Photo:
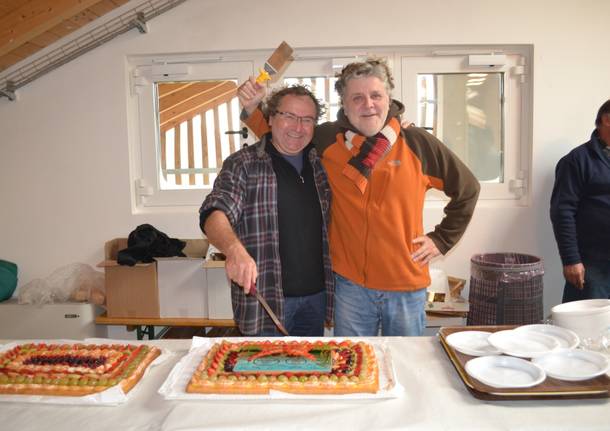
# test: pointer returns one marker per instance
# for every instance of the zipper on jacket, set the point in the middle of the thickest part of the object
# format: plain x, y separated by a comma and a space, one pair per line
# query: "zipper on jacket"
366, 229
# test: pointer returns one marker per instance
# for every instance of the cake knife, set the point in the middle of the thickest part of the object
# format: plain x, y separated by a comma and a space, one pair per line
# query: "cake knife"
268, 309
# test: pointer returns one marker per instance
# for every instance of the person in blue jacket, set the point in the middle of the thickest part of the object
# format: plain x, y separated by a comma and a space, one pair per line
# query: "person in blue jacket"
580, 213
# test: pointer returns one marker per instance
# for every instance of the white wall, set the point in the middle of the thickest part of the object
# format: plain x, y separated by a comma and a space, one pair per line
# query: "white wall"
64, 179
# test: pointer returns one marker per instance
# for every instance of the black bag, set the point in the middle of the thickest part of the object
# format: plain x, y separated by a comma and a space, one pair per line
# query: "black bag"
145, 243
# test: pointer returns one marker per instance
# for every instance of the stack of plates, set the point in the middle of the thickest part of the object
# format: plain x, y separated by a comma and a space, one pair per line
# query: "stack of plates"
567, 339
551, 349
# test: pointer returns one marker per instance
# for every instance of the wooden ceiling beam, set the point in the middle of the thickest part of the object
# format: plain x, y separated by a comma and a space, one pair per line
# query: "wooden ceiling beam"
34, 18
166, 88
183, 95
102, 7
26, 50
173, 118
8, 60
7, 6
227, 87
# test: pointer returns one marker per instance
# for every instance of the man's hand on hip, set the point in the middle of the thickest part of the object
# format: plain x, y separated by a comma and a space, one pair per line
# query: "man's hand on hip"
426, 251
575, 275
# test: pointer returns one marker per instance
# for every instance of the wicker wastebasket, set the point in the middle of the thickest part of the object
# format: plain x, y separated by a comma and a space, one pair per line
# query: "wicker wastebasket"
505, 289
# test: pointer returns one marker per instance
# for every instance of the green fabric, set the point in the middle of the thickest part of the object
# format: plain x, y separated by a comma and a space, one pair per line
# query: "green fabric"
8, 279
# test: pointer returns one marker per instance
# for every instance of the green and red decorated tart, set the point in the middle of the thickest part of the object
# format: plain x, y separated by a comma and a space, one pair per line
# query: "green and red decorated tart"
72, 369
300, 367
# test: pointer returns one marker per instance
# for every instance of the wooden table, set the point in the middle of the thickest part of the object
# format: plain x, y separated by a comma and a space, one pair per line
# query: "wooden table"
146, 325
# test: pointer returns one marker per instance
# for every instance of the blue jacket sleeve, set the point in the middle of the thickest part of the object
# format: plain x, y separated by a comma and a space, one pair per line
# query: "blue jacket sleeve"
565, 199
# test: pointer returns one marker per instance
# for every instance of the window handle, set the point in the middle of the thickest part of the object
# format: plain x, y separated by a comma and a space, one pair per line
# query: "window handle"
243, 132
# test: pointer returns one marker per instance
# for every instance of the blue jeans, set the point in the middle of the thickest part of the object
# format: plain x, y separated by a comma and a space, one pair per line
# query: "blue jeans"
597, 282
361, 312
303, 316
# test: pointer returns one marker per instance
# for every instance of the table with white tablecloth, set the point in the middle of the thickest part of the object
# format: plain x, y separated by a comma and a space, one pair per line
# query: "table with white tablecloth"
434, 398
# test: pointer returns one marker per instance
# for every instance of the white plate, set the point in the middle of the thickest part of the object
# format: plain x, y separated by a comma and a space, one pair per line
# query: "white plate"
505, 372
472, 343
523, 344
573, 365
567, 339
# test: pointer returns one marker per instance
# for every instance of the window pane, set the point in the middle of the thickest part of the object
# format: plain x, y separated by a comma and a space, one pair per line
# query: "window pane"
324, 90
464, 110
193, 118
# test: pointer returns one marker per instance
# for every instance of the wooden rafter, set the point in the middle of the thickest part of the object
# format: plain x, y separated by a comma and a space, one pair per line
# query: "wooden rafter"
35, 17
29, 26
180, 104
190, 93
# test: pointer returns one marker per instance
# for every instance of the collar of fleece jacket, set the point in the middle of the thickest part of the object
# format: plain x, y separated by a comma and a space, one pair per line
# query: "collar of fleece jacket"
396, 110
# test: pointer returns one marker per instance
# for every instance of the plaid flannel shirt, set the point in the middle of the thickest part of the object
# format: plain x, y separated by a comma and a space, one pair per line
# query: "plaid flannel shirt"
246, 191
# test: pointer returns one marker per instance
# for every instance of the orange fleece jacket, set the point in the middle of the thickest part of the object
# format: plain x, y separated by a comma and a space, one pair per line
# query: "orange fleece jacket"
371, 234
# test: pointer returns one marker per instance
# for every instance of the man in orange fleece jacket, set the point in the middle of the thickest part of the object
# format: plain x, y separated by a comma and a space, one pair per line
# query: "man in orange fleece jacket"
379, 174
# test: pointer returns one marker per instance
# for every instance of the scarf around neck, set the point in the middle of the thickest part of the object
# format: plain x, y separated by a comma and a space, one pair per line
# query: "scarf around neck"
368, 151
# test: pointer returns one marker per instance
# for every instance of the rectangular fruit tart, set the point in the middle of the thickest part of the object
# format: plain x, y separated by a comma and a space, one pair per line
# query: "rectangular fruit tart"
299, 367
72, 369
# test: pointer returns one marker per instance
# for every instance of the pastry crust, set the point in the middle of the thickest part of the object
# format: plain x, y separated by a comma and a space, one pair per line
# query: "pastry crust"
72, 369
353, 370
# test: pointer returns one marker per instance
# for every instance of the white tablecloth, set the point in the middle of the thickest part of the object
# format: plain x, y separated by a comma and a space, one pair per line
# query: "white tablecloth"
434, 399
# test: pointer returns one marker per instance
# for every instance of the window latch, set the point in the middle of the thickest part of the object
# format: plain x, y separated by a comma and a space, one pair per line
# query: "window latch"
517, 186
243, 132
143, 189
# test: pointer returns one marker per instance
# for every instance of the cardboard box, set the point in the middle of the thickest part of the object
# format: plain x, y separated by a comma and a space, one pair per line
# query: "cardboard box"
182, 287
64, 320
219, 291
457, 308
450, 302
144, 290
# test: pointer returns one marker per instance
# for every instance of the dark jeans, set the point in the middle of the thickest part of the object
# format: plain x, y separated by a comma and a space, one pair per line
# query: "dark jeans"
303, 316
597, 282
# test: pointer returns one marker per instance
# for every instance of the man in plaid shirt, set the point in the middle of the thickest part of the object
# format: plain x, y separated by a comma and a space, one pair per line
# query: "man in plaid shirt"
268, 212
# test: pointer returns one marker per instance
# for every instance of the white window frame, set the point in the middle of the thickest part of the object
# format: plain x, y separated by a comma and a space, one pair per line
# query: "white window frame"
405, 61
145, 172
513, 171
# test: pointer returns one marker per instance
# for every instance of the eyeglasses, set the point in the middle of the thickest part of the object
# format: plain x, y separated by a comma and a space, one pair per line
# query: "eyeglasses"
293, 119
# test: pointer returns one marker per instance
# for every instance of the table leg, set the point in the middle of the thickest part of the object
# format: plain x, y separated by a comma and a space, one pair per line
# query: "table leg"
142, 330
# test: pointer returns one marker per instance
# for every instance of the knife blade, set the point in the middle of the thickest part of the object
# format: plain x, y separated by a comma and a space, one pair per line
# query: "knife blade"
268, 309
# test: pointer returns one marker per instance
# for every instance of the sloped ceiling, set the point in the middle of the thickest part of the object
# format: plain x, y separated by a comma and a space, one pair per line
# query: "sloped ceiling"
27, 26
36, 36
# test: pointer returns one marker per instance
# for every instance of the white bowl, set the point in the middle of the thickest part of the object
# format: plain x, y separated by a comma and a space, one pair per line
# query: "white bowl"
588, 318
